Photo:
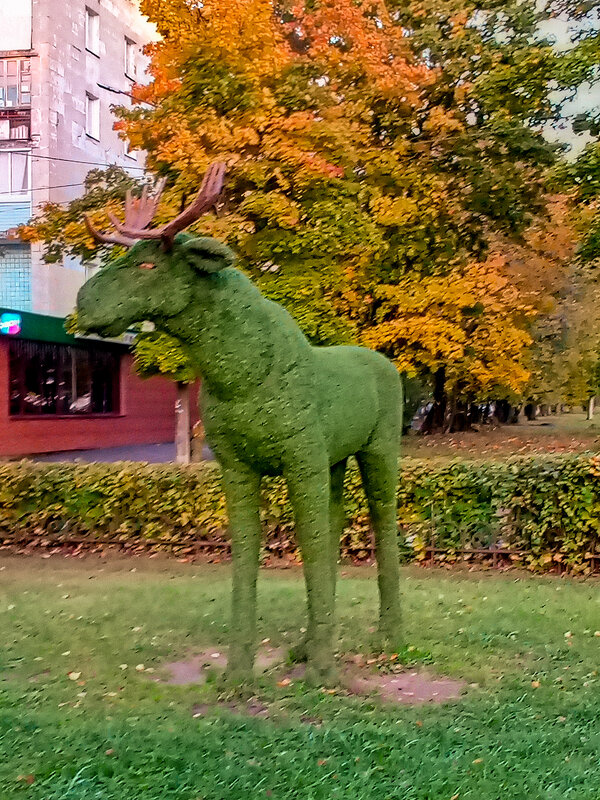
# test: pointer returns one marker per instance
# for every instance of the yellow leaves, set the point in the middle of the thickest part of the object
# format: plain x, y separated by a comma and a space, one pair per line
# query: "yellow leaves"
442, 122
459, 20
29, 233
275, 207
392, 211
470, 321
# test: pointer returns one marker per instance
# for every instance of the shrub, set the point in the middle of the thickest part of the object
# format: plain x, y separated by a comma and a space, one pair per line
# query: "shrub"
540, 511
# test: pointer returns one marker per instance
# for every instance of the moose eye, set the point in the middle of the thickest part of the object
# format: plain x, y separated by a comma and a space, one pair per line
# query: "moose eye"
147, 265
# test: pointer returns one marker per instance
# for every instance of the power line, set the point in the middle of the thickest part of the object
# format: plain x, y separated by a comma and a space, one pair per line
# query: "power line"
46, 188
77, 161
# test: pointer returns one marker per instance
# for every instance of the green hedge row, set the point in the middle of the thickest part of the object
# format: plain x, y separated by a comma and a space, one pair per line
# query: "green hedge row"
539, 511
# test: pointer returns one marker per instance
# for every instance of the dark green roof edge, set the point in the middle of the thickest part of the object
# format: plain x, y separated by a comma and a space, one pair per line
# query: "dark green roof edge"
44, 328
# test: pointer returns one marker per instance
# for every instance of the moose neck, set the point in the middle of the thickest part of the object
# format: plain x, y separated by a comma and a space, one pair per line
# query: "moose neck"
226, 331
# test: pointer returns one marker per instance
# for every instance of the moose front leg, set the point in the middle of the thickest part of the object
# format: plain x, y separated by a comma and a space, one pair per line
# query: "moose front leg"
242, 487
308, 485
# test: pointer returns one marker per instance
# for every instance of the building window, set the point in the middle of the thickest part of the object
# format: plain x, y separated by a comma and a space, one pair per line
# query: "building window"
14, 174
15, 82
129, 151
53, 379
92, 31
15, 276
92, 116
130, 58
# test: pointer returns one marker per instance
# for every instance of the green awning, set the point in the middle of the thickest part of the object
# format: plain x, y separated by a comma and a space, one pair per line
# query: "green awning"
43, 328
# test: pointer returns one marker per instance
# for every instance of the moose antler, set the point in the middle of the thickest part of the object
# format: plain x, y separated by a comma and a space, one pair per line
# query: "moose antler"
140, 211
107, 238
206, 197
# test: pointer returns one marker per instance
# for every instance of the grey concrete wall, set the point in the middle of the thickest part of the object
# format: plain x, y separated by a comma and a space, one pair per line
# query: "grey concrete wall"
63, 72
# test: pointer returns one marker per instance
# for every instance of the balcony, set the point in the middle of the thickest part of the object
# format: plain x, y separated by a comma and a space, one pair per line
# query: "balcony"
15, 99
15, 124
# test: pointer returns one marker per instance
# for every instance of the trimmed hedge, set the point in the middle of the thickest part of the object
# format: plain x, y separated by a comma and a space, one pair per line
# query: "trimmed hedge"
538, 511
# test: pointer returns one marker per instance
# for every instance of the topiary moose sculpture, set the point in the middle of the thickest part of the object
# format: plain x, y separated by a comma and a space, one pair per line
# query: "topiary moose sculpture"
272, 404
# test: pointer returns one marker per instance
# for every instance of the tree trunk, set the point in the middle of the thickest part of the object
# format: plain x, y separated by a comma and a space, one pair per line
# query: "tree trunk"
590, 408
449, 422
182, 424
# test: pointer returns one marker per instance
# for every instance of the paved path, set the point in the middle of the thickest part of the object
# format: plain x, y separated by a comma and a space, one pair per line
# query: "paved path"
151, 453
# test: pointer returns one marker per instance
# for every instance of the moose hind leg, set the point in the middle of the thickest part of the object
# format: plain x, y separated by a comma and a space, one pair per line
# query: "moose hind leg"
242, 494
379, 472
336, 514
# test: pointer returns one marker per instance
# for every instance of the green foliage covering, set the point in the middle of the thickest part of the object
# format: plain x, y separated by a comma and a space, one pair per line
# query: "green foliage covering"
546, 505
271, 405
157, 353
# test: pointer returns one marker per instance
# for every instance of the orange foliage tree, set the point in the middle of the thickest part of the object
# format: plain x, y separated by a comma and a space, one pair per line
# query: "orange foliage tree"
374, 152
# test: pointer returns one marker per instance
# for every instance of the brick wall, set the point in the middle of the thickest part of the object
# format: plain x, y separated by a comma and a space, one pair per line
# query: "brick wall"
147, 417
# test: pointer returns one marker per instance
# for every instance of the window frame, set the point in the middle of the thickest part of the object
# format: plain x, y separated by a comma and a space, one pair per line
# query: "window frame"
60, 360
12, 196
130, 58
92, 31
22, 82
92, 116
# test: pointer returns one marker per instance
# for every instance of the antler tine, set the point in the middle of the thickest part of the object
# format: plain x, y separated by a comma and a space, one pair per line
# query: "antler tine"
140, 211
206, 197
107, 238
152, 202
210, 190
132, 205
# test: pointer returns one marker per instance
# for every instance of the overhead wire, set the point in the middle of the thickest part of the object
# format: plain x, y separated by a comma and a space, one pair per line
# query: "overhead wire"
78, 161
71, 161
44, 188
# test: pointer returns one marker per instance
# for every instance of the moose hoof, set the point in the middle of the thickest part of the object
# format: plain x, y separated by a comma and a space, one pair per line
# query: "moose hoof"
321, 676
388, 640
236, 678
298, 654
240, 670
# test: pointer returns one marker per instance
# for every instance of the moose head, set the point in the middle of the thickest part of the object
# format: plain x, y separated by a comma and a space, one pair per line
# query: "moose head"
153, 280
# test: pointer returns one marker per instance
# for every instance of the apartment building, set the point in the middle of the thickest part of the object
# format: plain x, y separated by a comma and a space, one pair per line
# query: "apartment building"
63, 65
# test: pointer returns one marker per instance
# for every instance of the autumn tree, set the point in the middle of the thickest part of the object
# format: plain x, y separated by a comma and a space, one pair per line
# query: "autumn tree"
376, 153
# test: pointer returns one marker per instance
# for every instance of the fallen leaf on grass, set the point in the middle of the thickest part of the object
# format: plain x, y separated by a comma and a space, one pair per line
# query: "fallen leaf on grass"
74, 676
535, 684
29, 779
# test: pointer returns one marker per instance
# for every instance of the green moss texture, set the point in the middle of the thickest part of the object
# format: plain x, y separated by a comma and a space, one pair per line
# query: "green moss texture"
272, 404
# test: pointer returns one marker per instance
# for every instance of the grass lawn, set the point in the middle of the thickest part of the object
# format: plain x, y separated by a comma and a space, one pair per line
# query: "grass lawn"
527, 727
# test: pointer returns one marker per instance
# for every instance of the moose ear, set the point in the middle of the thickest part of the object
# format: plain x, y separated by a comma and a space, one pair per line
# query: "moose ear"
208, 255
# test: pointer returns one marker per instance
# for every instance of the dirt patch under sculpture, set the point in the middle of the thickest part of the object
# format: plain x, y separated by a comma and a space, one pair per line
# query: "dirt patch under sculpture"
408, 686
